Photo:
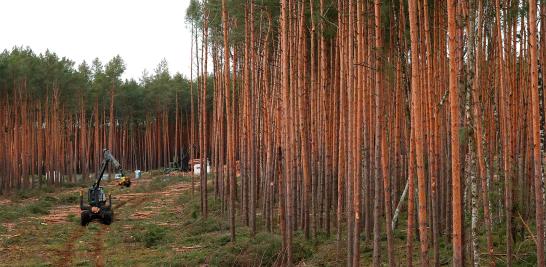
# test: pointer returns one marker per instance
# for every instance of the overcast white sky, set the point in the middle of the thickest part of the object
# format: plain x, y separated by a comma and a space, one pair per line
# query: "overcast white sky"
142, 32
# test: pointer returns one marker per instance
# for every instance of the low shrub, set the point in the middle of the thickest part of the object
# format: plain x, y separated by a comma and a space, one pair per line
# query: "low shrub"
151, 236
69, 199
42, 205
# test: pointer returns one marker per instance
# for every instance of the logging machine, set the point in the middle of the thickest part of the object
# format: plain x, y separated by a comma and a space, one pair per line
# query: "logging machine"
98, 208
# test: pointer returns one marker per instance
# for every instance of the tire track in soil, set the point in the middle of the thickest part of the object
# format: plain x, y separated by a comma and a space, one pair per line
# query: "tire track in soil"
98, 241
134, 200
122, 203
98, 245
139, 201
67, 253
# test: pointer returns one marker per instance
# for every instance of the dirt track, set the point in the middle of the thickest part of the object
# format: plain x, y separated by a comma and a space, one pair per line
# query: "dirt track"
87, 245
97, 244
59, 215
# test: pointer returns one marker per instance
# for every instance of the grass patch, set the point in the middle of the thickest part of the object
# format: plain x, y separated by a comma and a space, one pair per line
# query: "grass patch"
10, 213
93, 227
160, 183
36, 201
30, 193
72, 218
68, 199
151, 235
38, 192
175, 234
301, 248
38, 208
202, 226
42, 206
266, 247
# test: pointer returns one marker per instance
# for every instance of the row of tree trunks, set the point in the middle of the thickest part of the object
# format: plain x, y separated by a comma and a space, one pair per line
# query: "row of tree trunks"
332, 119
44, 144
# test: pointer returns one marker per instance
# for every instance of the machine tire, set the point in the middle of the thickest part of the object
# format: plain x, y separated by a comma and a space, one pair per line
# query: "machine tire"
108, 217
85, 218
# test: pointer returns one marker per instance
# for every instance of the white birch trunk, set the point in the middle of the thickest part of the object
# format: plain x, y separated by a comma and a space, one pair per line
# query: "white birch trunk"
397, 211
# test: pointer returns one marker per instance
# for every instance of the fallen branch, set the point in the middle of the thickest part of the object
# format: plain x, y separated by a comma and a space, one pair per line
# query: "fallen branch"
527, 227
192, 247
183, 249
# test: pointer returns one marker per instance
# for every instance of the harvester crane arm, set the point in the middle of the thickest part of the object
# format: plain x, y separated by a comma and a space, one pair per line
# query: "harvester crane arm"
108, 158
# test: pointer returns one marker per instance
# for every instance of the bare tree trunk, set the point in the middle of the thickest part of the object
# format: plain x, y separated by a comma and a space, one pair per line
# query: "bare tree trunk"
230, 130
537, 156
457, 203
286, 119
204, 132
416, 121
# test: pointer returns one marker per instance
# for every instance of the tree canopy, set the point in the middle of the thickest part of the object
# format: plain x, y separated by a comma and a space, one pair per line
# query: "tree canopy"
43, 72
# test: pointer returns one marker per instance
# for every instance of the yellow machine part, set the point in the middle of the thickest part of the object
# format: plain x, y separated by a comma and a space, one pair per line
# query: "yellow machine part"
124, 181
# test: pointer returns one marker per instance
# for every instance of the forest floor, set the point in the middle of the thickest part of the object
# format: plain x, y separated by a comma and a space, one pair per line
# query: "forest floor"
157, 223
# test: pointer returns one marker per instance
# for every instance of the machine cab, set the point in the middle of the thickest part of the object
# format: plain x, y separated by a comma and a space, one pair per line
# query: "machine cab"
96, 197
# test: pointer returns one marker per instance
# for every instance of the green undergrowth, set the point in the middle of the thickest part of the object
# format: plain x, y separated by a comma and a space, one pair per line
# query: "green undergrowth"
151, 235
264, 248
162, 182
23, 194
38, 201
173, 232
38, 204
211, 244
